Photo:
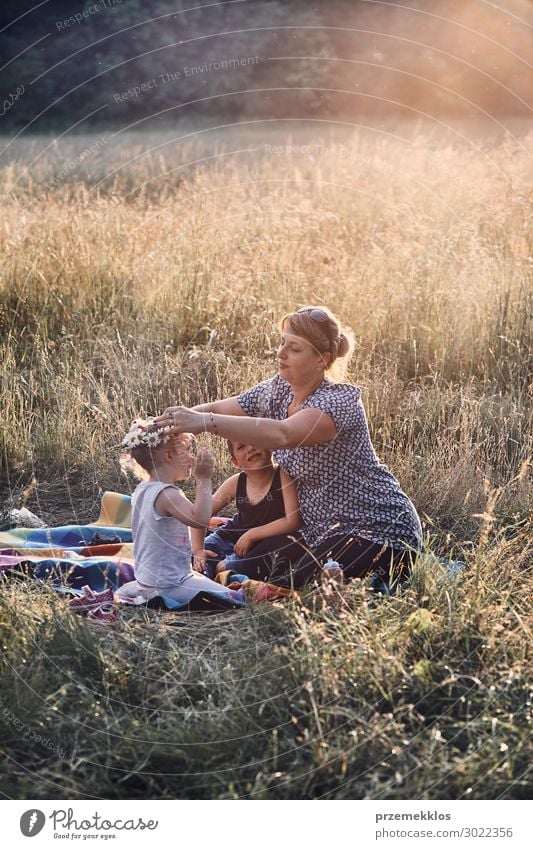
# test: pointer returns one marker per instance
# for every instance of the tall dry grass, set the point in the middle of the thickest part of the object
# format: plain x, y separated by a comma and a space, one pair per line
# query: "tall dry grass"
131, 279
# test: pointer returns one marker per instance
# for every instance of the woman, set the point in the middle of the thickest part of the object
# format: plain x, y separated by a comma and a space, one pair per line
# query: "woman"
352, 507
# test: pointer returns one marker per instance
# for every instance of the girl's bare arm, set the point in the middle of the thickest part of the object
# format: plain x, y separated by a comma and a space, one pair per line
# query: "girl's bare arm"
224, 494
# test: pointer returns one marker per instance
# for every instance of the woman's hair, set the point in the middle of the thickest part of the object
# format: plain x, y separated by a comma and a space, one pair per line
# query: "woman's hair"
327, 336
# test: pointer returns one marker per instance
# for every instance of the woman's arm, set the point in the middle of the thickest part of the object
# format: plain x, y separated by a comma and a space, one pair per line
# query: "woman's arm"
226, 406
308, 427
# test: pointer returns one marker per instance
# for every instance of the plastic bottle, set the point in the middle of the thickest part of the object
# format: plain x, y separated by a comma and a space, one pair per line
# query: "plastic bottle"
332, 575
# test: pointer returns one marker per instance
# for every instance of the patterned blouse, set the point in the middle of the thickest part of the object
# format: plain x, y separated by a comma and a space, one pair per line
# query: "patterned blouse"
342, 485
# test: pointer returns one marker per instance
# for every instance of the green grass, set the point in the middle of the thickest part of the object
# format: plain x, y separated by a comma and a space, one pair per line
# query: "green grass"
420, 696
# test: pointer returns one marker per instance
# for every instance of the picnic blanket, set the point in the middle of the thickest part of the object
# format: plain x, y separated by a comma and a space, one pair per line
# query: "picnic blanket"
99, 555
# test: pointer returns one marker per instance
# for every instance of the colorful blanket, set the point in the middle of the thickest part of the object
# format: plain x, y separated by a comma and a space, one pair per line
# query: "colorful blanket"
99, 555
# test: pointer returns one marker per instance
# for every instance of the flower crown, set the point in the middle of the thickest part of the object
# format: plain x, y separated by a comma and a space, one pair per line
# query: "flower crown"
144, 435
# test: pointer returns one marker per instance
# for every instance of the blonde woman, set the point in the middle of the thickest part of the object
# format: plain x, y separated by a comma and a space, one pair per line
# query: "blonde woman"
353, 509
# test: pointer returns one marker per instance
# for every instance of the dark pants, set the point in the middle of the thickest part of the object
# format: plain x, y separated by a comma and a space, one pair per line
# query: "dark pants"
286, 560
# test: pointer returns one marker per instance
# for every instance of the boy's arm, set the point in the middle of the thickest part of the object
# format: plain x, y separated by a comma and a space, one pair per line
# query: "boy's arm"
224, 494
292, 520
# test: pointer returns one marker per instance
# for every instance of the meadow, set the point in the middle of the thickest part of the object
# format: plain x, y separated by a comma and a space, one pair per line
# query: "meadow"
138, 271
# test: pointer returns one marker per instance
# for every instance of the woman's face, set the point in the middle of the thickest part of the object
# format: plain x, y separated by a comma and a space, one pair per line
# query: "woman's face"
298, 361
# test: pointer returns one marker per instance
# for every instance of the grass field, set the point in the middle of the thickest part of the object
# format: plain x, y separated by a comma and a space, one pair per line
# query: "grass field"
131, 279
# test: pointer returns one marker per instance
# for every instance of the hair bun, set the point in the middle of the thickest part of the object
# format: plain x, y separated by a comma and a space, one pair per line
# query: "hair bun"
343, 345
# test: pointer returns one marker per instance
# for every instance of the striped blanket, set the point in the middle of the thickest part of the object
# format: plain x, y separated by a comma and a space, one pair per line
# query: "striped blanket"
99, 555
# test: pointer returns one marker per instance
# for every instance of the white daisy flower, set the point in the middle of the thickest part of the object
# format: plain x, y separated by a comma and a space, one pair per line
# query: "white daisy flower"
152, 439
134, 439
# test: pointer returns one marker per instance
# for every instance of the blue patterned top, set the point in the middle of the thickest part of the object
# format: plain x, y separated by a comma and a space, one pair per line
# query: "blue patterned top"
342, 485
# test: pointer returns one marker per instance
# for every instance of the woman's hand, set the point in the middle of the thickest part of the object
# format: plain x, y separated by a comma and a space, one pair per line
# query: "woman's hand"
181, 420
245, 543
205, 463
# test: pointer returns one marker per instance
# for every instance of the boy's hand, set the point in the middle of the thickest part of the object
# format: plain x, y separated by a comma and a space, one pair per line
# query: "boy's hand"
200, 558
205, 463
245, 543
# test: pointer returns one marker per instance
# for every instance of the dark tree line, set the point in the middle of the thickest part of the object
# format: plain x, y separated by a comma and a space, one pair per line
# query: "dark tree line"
132, 62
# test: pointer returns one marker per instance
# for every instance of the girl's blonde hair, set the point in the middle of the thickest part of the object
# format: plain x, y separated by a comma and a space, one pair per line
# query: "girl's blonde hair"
327, 336
143, 459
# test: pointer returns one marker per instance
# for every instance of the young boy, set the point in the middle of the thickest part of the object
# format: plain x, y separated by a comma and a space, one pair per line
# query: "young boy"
267, 504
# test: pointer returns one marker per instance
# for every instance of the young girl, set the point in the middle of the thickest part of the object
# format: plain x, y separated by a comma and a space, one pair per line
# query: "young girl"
162, 516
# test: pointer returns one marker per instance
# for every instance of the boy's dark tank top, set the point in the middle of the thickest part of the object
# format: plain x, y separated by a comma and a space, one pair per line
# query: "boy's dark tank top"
270, 508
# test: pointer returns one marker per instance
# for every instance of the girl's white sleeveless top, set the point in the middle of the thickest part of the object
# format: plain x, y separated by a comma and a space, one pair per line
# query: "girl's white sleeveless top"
161, 544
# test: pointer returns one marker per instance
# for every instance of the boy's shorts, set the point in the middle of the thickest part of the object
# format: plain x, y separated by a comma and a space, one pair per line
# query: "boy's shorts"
223, 549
